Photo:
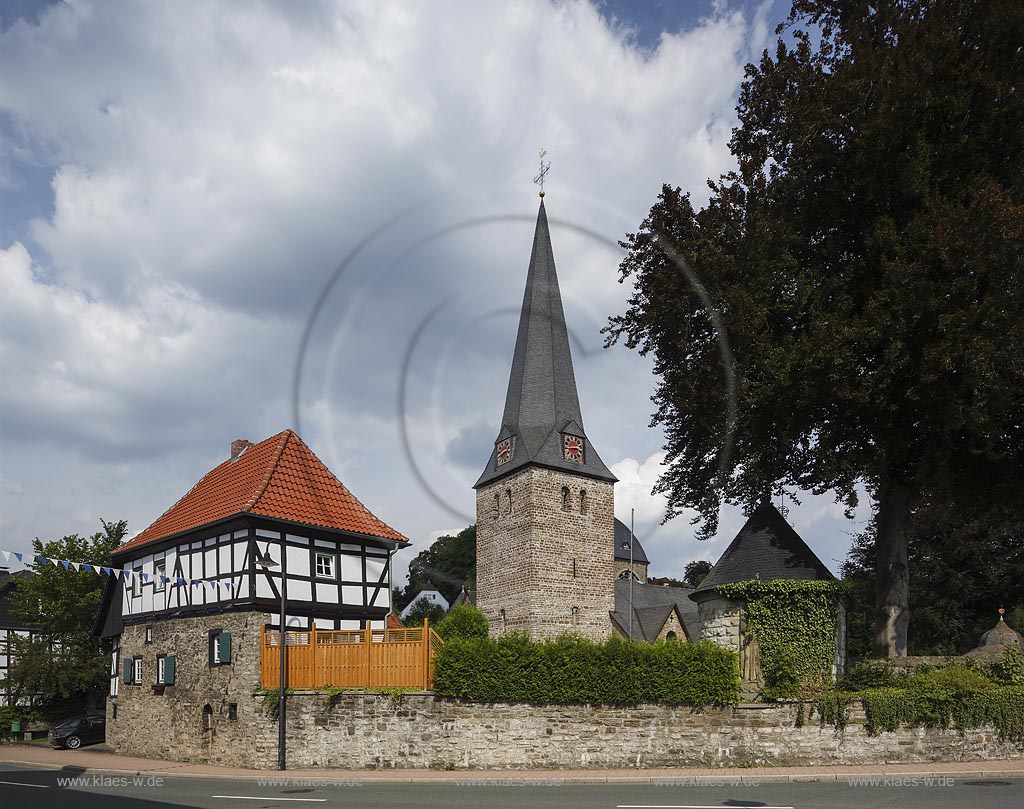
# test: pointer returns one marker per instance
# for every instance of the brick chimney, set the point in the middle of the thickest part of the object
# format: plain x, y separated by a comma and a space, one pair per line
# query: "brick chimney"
238, 446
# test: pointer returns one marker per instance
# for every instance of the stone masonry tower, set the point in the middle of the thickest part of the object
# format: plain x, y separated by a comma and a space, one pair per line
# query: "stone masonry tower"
544, 503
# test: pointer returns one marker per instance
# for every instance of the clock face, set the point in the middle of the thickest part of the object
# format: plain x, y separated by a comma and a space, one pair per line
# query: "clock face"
504, 451
572, 448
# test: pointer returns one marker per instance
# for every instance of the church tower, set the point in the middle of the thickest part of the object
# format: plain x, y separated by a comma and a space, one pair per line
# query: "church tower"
545, 502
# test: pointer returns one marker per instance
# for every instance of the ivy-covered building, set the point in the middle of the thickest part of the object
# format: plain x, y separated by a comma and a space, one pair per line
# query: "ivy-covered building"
773, 602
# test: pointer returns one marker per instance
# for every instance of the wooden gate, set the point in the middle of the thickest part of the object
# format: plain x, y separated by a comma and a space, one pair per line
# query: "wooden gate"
351, 658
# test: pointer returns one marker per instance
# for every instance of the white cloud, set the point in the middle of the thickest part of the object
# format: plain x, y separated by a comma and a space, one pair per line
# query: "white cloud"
213, 162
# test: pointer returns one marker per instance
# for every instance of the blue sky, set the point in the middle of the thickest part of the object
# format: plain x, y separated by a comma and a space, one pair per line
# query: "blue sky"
183, 186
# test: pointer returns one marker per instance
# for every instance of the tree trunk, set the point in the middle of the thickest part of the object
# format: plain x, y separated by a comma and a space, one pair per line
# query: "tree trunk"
892, 576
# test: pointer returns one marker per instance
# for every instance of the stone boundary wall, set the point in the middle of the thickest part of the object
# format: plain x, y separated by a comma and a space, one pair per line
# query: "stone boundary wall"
420, 731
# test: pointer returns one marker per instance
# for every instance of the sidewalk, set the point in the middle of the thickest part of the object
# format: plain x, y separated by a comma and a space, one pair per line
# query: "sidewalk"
105, 762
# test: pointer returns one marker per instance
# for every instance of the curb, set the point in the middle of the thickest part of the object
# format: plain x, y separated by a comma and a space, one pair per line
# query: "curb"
524, 777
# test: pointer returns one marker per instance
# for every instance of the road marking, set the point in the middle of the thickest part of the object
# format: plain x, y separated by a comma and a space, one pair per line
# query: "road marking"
19, 784
275, 798
698, 806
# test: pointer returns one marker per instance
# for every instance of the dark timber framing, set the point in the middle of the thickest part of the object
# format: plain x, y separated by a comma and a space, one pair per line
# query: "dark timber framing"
264, 534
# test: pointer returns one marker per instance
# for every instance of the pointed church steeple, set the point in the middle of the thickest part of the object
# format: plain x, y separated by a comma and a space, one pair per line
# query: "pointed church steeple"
542, 423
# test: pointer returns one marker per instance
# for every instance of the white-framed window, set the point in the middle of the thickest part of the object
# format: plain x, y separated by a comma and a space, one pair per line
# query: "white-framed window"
326, 566
149, 634
137, 671
160, 669
160, 569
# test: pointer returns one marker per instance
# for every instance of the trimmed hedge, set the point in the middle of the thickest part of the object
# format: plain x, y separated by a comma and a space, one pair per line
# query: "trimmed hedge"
572, 670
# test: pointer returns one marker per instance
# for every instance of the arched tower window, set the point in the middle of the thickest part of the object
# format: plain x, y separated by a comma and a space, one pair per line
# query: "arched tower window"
583, 501
565, 498
497, 506
207, 719
508, 501
670, 635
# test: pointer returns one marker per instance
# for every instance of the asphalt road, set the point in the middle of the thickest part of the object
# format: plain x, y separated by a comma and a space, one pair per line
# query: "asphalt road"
27, 788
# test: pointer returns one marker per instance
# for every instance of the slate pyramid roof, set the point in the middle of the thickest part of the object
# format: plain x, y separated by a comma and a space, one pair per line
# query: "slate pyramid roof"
766, 548
280, 477
542, 403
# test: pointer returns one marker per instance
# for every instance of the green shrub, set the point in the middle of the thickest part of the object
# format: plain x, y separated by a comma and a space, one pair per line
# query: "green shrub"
573, 670
1009, 669
958, 694
463, 621
869, 674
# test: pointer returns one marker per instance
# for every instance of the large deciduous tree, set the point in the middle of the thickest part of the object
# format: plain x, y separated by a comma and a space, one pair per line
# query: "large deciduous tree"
63, 669
853, 313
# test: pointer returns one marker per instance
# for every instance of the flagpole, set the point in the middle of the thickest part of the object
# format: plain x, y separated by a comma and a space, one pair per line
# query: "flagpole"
632, 517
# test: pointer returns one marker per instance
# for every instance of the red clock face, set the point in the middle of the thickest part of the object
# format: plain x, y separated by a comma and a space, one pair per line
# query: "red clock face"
504, 451
572, 448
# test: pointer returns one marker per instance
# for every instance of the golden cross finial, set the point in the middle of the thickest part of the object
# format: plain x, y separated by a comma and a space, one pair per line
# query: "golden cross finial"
544, 168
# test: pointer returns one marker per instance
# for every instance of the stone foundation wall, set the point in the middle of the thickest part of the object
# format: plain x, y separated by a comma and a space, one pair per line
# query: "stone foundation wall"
720, 621
170, 724
357, 731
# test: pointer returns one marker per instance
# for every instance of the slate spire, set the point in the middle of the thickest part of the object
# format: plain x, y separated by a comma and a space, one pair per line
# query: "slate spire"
542, 405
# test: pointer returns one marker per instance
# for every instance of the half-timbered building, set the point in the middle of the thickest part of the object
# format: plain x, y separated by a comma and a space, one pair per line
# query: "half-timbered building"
206, 584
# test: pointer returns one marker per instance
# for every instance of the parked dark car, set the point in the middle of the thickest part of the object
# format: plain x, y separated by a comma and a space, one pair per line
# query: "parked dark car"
73, 733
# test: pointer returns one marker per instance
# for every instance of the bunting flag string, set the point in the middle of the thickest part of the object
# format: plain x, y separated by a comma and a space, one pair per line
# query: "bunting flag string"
128, 576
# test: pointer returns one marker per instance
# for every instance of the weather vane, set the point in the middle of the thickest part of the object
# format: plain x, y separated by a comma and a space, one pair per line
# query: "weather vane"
544, 168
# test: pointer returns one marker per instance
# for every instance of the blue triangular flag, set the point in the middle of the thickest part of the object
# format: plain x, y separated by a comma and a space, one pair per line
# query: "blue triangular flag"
66, 563
86, 567
42, 559
20, 557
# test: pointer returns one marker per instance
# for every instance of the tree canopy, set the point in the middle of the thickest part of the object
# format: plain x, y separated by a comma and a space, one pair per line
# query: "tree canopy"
852, 315
64, 669
449, 563
694, 572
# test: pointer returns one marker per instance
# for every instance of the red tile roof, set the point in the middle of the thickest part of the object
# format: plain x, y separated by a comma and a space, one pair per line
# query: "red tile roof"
279, 477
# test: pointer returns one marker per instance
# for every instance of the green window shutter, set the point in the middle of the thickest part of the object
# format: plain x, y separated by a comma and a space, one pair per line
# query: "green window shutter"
224, 640
126, 670
169, 670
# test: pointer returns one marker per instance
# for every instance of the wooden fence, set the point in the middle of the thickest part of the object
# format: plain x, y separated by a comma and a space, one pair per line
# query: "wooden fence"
351, 658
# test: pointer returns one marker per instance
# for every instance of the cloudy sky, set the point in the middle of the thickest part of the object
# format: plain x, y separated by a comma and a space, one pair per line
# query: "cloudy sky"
218, 220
